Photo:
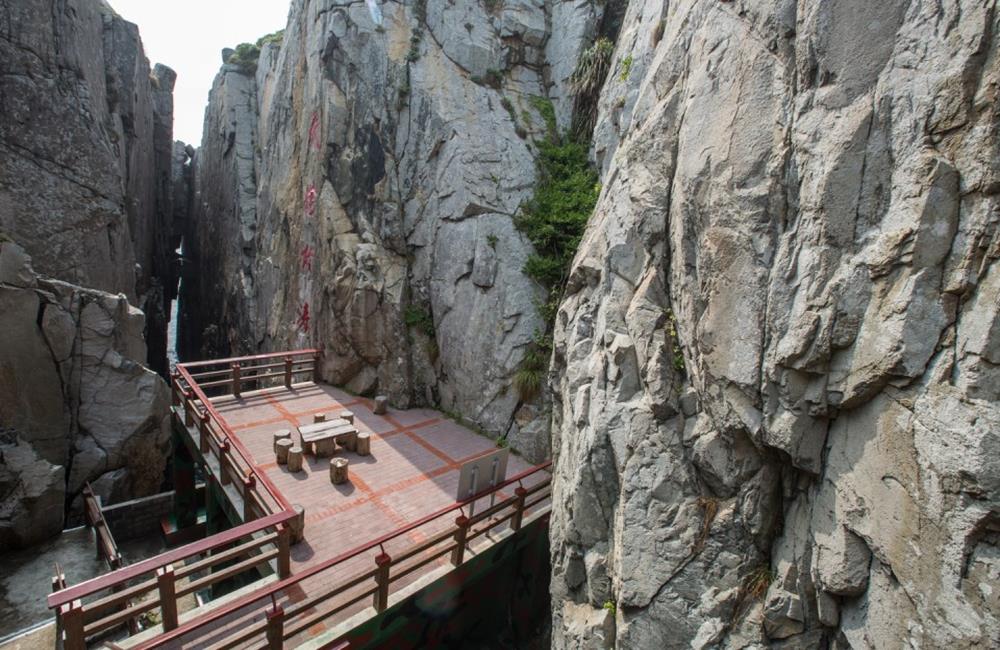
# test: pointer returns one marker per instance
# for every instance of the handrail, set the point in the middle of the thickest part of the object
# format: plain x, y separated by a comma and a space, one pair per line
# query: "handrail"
272, 589
105, 540
121, 576
254, 357
233, 439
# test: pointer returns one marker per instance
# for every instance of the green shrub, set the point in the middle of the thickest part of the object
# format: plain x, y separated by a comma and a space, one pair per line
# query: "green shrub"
676, 353
417, 317
246, 57
248, 54
626, 68
555, 218
509, 107
414, 54
276, 38
493, 78
548, 112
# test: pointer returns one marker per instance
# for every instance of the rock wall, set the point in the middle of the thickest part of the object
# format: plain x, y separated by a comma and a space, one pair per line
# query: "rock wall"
775, 374
85, 152
356, 193
87, 189
76, 403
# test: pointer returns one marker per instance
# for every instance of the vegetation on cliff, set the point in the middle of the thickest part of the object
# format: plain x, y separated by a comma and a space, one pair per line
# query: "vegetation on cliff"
248, 54
555, 218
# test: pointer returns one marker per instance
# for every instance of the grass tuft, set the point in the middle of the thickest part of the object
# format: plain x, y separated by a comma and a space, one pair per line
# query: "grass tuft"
530, 375
757, 581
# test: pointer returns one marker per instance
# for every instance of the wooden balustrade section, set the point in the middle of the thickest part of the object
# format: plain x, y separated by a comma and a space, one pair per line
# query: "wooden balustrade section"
120, 597
107, 549
284, 619
215, 438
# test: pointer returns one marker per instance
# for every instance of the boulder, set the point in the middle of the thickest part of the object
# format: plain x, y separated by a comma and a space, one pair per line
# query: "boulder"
73, 394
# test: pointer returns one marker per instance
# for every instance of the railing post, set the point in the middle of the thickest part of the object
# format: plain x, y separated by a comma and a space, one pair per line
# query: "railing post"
223, 452
383, 562
203, 432
165, 581
249, 484
188, 408
175, 398
275, 627
236, 378
461, 534
72, 621
58, 584
284, 546
515, 521
316, 364
288, 372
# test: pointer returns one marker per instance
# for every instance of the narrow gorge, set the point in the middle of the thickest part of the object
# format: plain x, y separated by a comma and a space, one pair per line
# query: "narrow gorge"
731, 265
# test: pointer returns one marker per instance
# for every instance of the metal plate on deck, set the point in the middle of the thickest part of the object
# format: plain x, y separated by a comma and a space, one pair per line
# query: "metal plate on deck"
480, 474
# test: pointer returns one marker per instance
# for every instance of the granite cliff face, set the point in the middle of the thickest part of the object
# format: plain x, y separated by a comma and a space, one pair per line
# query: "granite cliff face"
356, 192
85, 152
774, 385
775, 374
86, 195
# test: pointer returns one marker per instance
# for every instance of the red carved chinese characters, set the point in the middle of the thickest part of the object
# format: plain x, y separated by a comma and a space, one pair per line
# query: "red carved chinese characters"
303, 322
307, 258
311, 200
314, 140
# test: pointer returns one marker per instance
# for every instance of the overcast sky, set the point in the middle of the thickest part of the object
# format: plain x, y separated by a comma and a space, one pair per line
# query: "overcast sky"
188, 36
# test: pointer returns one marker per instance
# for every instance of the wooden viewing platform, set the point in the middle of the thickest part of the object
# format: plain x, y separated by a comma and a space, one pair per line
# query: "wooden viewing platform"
321, 553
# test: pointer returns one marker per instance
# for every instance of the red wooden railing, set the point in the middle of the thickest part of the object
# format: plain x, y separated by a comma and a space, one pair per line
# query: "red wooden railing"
107, 549
216, 439
275, 619
83, 609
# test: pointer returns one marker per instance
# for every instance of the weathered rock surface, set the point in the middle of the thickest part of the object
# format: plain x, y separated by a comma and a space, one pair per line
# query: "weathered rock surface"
356, 194
76, 403
776, 381
85, 152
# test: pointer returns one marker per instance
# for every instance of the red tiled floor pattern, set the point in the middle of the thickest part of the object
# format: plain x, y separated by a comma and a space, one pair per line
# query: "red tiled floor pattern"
412, 472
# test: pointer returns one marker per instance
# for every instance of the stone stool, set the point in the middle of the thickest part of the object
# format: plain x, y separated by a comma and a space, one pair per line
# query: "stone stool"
338, 471
325, 447
282, 448
319, 417
381, 405
281, 434
295, 459
364, 444
298, 525
347, 415
349, 441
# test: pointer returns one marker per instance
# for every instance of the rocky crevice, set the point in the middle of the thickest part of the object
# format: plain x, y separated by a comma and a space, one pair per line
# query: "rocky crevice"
87, 195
